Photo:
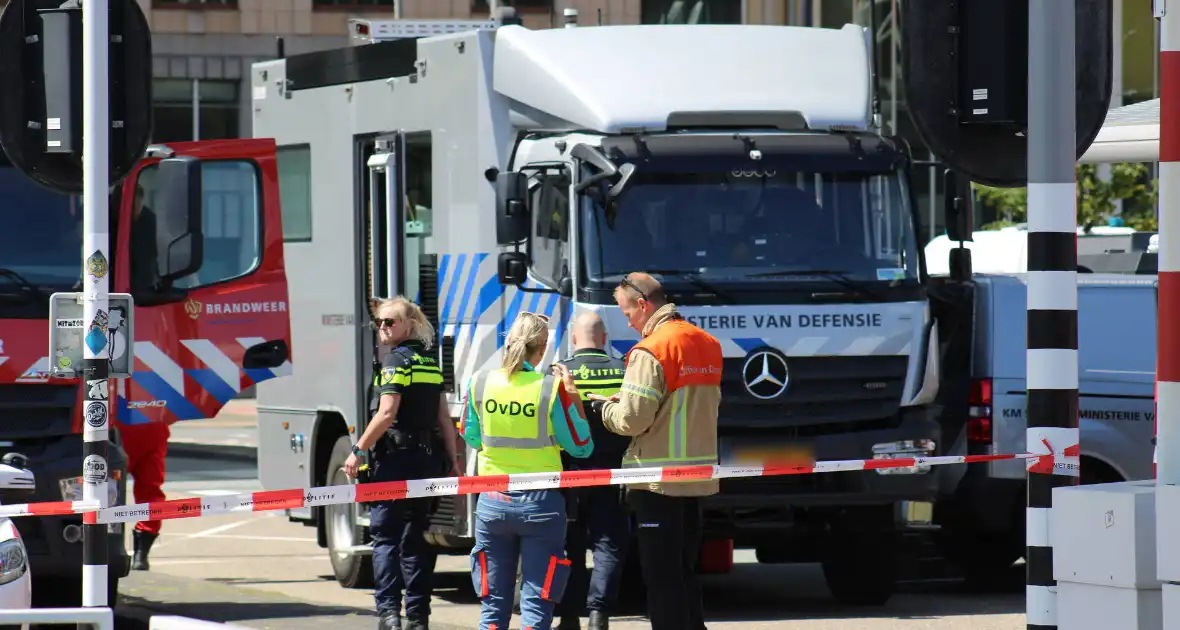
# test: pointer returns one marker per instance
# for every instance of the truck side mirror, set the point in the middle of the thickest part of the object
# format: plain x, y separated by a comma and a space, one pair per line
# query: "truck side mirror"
512, 268
958, 212
512, 208
179, 215
565, 288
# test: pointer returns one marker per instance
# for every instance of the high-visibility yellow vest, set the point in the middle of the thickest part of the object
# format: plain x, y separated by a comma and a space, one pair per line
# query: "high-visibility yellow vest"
514, 426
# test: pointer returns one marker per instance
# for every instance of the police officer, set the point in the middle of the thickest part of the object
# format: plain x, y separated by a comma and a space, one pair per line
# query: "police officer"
408, 406
600, 519
520, 420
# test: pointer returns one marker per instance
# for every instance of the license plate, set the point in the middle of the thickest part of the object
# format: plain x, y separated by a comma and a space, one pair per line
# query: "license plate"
760, 453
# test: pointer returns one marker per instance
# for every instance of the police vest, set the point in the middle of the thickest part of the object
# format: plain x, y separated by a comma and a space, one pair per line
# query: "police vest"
514, 426
596, 372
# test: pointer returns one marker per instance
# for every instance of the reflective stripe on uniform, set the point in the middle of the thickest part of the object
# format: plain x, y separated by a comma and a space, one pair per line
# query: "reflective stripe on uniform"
642, 391
406, 376
603, 386
542, 440
677, 440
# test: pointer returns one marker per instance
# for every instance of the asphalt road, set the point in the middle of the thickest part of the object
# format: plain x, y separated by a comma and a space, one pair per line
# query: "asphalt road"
261, 571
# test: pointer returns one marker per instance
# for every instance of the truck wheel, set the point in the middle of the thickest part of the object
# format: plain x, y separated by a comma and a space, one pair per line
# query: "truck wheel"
861, 569
340, 528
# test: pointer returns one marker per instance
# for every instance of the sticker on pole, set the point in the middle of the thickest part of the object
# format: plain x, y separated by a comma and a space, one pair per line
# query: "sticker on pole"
94, 469
96, 265
96, 336
1058, 448
96, 413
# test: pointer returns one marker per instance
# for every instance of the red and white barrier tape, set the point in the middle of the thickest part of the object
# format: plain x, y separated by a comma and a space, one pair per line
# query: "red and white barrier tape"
451, 486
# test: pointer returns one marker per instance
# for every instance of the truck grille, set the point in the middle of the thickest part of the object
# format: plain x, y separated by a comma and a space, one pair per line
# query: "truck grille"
29, 412
824, 395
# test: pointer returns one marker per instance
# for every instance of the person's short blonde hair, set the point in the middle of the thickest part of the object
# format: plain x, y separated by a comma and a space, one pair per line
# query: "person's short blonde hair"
529, 333
420, 328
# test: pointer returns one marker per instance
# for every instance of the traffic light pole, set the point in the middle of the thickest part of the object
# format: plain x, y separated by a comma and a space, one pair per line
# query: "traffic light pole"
95, 275
1052, 287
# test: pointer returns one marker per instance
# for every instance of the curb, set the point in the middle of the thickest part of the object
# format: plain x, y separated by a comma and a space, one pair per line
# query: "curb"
223, 451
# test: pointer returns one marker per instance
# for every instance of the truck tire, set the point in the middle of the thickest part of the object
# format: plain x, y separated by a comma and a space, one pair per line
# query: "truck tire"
861, 569
340, 528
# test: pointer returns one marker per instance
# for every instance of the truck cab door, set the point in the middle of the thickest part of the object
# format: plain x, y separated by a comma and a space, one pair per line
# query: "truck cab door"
382, 179
206, 333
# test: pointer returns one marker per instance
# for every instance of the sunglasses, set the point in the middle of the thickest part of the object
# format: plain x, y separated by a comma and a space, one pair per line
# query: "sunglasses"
544, 318
631, 285
386, 322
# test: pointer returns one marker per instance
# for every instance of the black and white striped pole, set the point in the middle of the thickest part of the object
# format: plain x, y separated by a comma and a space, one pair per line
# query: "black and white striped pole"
1052, 289
95, 307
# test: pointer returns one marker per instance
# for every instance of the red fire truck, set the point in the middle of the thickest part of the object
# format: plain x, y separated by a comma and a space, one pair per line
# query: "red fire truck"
208, 322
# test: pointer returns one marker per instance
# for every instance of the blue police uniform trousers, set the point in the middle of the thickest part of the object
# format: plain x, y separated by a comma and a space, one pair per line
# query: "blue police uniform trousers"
529, 525
402, 561
603, 525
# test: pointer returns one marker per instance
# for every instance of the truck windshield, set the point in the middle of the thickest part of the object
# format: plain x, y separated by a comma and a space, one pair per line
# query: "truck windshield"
752, 226
42, 235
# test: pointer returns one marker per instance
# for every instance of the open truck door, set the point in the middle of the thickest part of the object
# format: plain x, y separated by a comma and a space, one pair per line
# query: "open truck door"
204, 263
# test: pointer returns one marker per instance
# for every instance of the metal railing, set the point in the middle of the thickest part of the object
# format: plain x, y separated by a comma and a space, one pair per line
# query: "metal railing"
97, 618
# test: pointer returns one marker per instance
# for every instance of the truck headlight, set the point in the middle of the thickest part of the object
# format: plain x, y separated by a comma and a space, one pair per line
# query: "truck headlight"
13, 561
71, 490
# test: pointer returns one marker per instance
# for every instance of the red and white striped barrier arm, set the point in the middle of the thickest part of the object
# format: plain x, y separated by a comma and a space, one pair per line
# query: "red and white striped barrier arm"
451, 486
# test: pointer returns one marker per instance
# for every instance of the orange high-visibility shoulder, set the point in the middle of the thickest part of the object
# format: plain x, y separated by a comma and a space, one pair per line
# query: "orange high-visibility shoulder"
688, 355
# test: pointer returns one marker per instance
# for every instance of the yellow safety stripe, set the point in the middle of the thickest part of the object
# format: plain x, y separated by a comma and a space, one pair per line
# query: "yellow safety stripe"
403, 376
642, 391
707, 460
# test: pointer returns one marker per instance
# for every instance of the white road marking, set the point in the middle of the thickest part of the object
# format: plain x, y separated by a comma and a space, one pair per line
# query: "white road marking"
275, 538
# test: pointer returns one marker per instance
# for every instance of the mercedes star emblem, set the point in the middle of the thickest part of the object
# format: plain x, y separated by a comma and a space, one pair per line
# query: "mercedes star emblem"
765, 374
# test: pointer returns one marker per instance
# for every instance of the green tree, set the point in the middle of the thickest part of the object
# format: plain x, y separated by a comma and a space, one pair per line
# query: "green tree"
1096, 198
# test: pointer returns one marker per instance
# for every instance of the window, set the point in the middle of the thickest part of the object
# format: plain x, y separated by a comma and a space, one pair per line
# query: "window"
481, 6
691, 12
194, 4
42, 235
549, 192
172, 110
232, 227
419, 215
295, 192
350, 3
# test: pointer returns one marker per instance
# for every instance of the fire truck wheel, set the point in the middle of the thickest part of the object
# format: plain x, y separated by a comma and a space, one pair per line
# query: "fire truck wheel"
340, 528
861, 569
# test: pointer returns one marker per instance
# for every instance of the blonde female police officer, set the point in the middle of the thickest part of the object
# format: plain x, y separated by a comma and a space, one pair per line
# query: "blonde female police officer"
520, 420
408, 407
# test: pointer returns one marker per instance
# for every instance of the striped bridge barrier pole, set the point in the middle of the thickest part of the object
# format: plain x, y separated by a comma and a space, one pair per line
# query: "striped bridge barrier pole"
1052, 288
1168, 297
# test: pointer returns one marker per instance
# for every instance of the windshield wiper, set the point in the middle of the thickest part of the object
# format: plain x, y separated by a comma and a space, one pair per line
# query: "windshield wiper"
20, 281
859, 287
693, 278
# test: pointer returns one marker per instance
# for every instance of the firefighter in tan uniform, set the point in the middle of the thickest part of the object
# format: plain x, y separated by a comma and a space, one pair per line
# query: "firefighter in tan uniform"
668, 405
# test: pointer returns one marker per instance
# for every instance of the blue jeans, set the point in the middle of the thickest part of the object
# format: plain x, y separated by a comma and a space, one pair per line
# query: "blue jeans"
402, 561
529, 525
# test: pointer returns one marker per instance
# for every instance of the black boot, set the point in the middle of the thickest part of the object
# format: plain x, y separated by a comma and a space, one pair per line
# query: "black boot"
143, 546
599, 620
392, 621
570, 622
418, 624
